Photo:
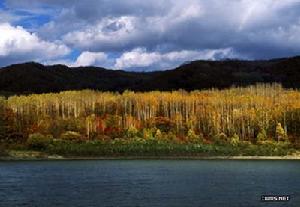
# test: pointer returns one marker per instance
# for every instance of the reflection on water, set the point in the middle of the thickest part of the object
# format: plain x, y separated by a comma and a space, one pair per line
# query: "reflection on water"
147, 183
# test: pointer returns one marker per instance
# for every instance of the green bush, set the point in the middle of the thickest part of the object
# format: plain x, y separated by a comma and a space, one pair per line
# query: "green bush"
193, 137
158, 134
148, 133
39, 141
243, 143
262, 136
280, 133
171, 136
191, 134
234, 140
220, 139
71, 136
159, 147
131, 132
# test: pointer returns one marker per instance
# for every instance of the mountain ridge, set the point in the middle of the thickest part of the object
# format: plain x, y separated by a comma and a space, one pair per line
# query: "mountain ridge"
32, 77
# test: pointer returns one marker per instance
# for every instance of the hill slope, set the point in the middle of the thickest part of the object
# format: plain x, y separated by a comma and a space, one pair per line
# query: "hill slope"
37, 78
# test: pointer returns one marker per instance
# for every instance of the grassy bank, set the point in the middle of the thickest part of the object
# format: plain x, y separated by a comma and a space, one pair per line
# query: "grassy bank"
147, 148
161, 148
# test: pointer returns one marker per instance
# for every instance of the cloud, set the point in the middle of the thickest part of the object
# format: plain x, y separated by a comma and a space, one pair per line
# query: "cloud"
109, 34
121, 31
95, 9
140, 59
7, 17
150, 29
176, 25
92, 58
86, 58
17, 44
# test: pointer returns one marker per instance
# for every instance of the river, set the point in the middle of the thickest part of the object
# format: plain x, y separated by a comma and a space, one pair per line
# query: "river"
150, 183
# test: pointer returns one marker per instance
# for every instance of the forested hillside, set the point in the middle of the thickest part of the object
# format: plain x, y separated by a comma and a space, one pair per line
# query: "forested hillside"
37, 78
256, 120
244, 112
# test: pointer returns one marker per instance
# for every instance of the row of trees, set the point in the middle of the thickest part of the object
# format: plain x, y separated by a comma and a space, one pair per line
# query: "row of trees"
252, 113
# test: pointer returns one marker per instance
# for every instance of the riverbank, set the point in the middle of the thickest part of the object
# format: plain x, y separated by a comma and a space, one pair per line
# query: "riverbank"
151, 149
36, 155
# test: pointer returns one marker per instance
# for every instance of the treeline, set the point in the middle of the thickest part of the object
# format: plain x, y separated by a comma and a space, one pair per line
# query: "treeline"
253, 114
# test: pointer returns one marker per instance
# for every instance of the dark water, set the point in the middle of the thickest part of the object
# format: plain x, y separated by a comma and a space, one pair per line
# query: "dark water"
147, 183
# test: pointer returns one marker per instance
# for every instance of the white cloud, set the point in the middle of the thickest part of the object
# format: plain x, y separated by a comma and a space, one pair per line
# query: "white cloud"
140, 58
121, 33
18, 44
106, 34
91, 58
137, 58
86, 58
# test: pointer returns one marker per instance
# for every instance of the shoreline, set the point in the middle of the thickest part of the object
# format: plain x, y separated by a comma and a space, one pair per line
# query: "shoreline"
49, 158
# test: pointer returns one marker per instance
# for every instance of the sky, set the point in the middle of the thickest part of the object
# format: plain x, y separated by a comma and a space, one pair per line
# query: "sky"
146, 35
